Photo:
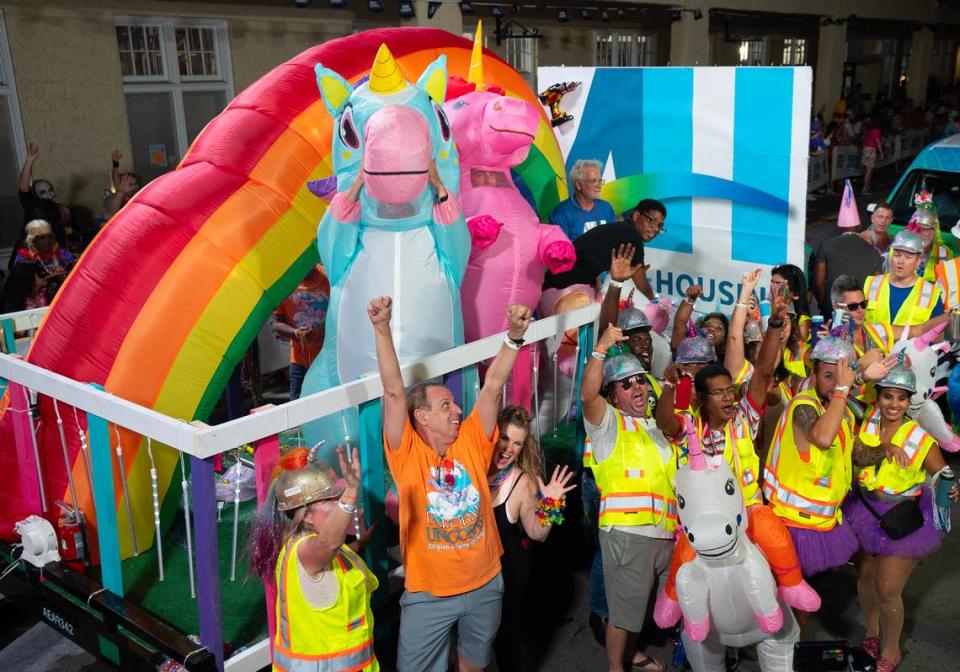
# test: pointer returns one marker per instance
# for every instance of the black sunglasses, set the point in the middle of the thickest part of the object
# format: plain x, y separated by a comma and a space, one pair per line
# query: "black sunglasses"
628, 383
853, 306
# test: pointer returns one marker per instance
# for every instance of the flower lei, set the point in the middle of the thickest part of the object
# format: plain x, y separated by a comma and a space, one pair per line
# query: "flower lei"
550, 510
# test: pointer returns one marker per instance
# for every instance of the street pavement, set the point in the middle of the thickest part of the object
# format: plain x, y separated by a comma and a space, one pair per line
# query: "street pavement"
557, 633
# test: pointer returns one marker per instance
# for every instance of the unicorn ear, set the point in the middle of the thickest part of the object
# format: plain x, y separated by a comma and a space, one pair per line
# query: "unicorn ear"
434, 80
334, 89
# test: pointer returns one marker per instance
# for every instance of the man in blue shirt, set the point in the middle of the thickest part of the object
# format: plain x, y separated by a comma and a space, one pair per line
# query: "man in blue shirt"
584, 209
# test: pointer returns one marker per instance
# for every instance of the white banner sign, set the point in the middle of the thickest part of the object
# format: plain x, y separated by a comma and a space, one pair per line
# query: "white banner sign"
725, 149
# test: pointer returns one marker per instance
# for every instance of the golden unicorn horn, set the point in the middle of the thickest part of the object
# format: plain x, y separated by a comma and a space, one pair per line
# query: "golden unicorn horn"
475, 73
385, 76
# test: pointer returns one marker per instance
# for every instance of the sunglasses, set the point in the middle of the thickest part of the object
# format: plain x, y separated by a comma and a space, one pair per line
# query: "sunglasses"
853, 306
628, 383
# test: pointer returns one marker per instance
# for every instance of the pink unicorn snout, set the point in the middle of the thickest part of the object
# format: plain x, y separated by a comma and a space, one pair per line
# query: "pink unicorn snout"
512, 126
396, 155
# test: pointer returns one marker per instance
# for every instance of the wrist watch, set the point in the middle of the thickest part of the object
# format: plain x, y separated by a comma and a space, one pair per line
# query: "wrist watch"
516, 341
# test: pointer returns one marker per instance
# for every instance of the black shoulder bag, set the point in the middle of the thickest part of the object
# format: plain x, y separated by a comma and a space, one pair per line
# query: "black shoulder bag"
902, 520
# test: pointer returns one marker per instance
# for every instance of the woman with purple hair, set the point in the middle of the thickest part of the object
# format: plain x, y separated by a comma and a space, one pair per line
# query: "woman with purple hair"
323, 587
892, 458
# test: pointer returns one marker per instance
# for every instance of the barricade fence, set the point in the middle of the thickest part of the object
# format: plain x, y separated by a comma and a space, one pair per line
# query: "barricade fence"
843, 161
107, 415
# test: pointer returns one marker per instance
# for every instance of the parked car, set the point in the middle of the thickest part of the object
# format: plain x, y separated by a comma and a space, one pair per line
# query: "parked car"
937, 168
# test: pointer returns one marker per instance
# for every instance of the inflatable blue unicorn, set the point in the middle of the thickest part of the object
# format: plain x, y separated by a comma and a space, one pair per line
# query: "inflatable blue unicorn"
389, 231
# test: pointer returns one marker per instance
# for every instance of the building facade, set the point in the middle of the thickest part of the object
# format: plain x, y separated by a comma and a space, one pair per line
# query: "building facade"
81, 79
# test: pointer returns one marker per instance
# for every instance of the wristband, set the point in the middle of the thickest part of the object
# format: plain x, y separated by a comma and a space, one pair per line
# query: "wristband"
615, 283
667, 383
692, 302
443, 199
510, 343
775, 325
599, 356
116, 164
347, 508
741, 304
550, 510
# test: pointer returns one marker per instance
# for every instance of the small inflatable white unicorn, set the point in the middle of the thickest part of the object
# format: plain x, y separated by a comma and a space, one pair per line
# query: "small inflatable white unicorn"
727, 594
923, 355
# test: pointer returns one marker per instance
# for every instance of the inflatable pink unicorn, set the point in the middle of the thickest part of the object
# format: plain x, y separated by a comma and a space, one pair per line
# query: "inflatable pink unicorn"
511, 247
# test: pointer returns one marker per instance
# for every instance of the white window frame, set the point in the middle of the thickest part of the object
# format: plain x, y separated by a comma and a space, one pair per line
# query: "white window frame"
640, 55
8, 87
752, 57
171, 81
520, 52
794, 51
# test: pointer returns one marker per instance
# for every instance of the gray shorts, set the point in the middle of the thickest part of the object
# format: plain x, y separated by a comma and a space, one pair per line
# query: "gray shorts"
632, 565
426, 622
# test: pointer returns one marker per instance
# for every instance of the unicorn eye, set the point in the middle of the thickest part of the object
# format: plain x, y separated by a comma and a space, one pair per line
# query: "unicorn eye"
728, 487
681, 501
348, 132
444, 124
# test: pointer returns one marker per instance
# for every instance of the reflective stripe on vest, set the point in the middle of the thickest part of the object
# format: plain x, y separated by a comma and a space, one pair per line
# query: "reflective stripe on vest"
881, 334
948, 276
873, 287
356, 659
637, 502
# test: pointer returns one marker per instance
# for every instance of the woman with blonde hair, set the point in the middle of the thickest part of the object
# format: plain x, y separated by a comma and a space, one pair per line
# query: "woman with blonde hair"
525, 508
324, 619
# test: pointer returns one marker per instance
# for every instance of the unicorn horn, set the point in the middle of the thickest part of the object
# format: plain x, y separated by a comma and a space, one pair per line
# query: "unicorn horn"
933, 334
385, 76
697, 461
475, 73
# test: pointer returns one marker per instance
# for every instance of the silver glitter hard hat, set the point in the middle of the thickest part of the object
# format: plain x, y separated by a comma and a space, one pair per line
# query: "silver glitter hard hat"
632, 319
830, 349
695, 350
620, 365
314, 481
901, 377
908, 241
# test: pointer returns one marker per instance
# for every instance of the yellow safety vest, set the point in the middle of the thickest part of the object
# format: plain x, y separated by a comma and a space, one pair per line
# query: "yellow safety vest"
796, 365
948, 280
808, 494
740, 454
588, 461
881, 335
915, 310
890, 478
636, 485
338, 638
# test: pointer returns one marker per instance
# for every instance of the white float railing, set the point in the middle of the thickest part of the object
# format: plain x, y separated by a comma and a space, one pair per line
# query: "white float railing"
201, 442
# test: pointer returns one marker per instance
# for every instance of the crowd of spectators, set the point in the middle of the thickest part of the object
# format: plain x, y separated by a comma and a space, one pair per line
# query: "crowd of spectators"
54, 234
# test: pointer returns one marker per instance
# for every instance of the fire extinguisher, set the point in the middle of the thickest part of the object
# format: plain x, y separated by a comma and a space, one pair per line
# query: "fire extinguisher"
70, 530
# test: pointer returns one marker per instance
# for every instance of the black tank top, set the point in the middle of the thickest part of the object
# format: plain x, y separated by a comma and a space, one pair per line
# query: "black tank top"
515, 561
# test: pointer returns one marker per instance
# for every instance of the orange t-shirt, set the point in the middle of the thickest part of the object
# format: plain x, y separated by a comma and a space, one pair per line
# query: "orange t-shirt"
448, 535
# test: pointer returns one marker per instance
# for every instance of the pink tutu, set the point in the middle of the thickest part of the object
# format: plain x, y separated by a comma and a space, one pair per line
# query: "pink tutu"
875, 541
820, 551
